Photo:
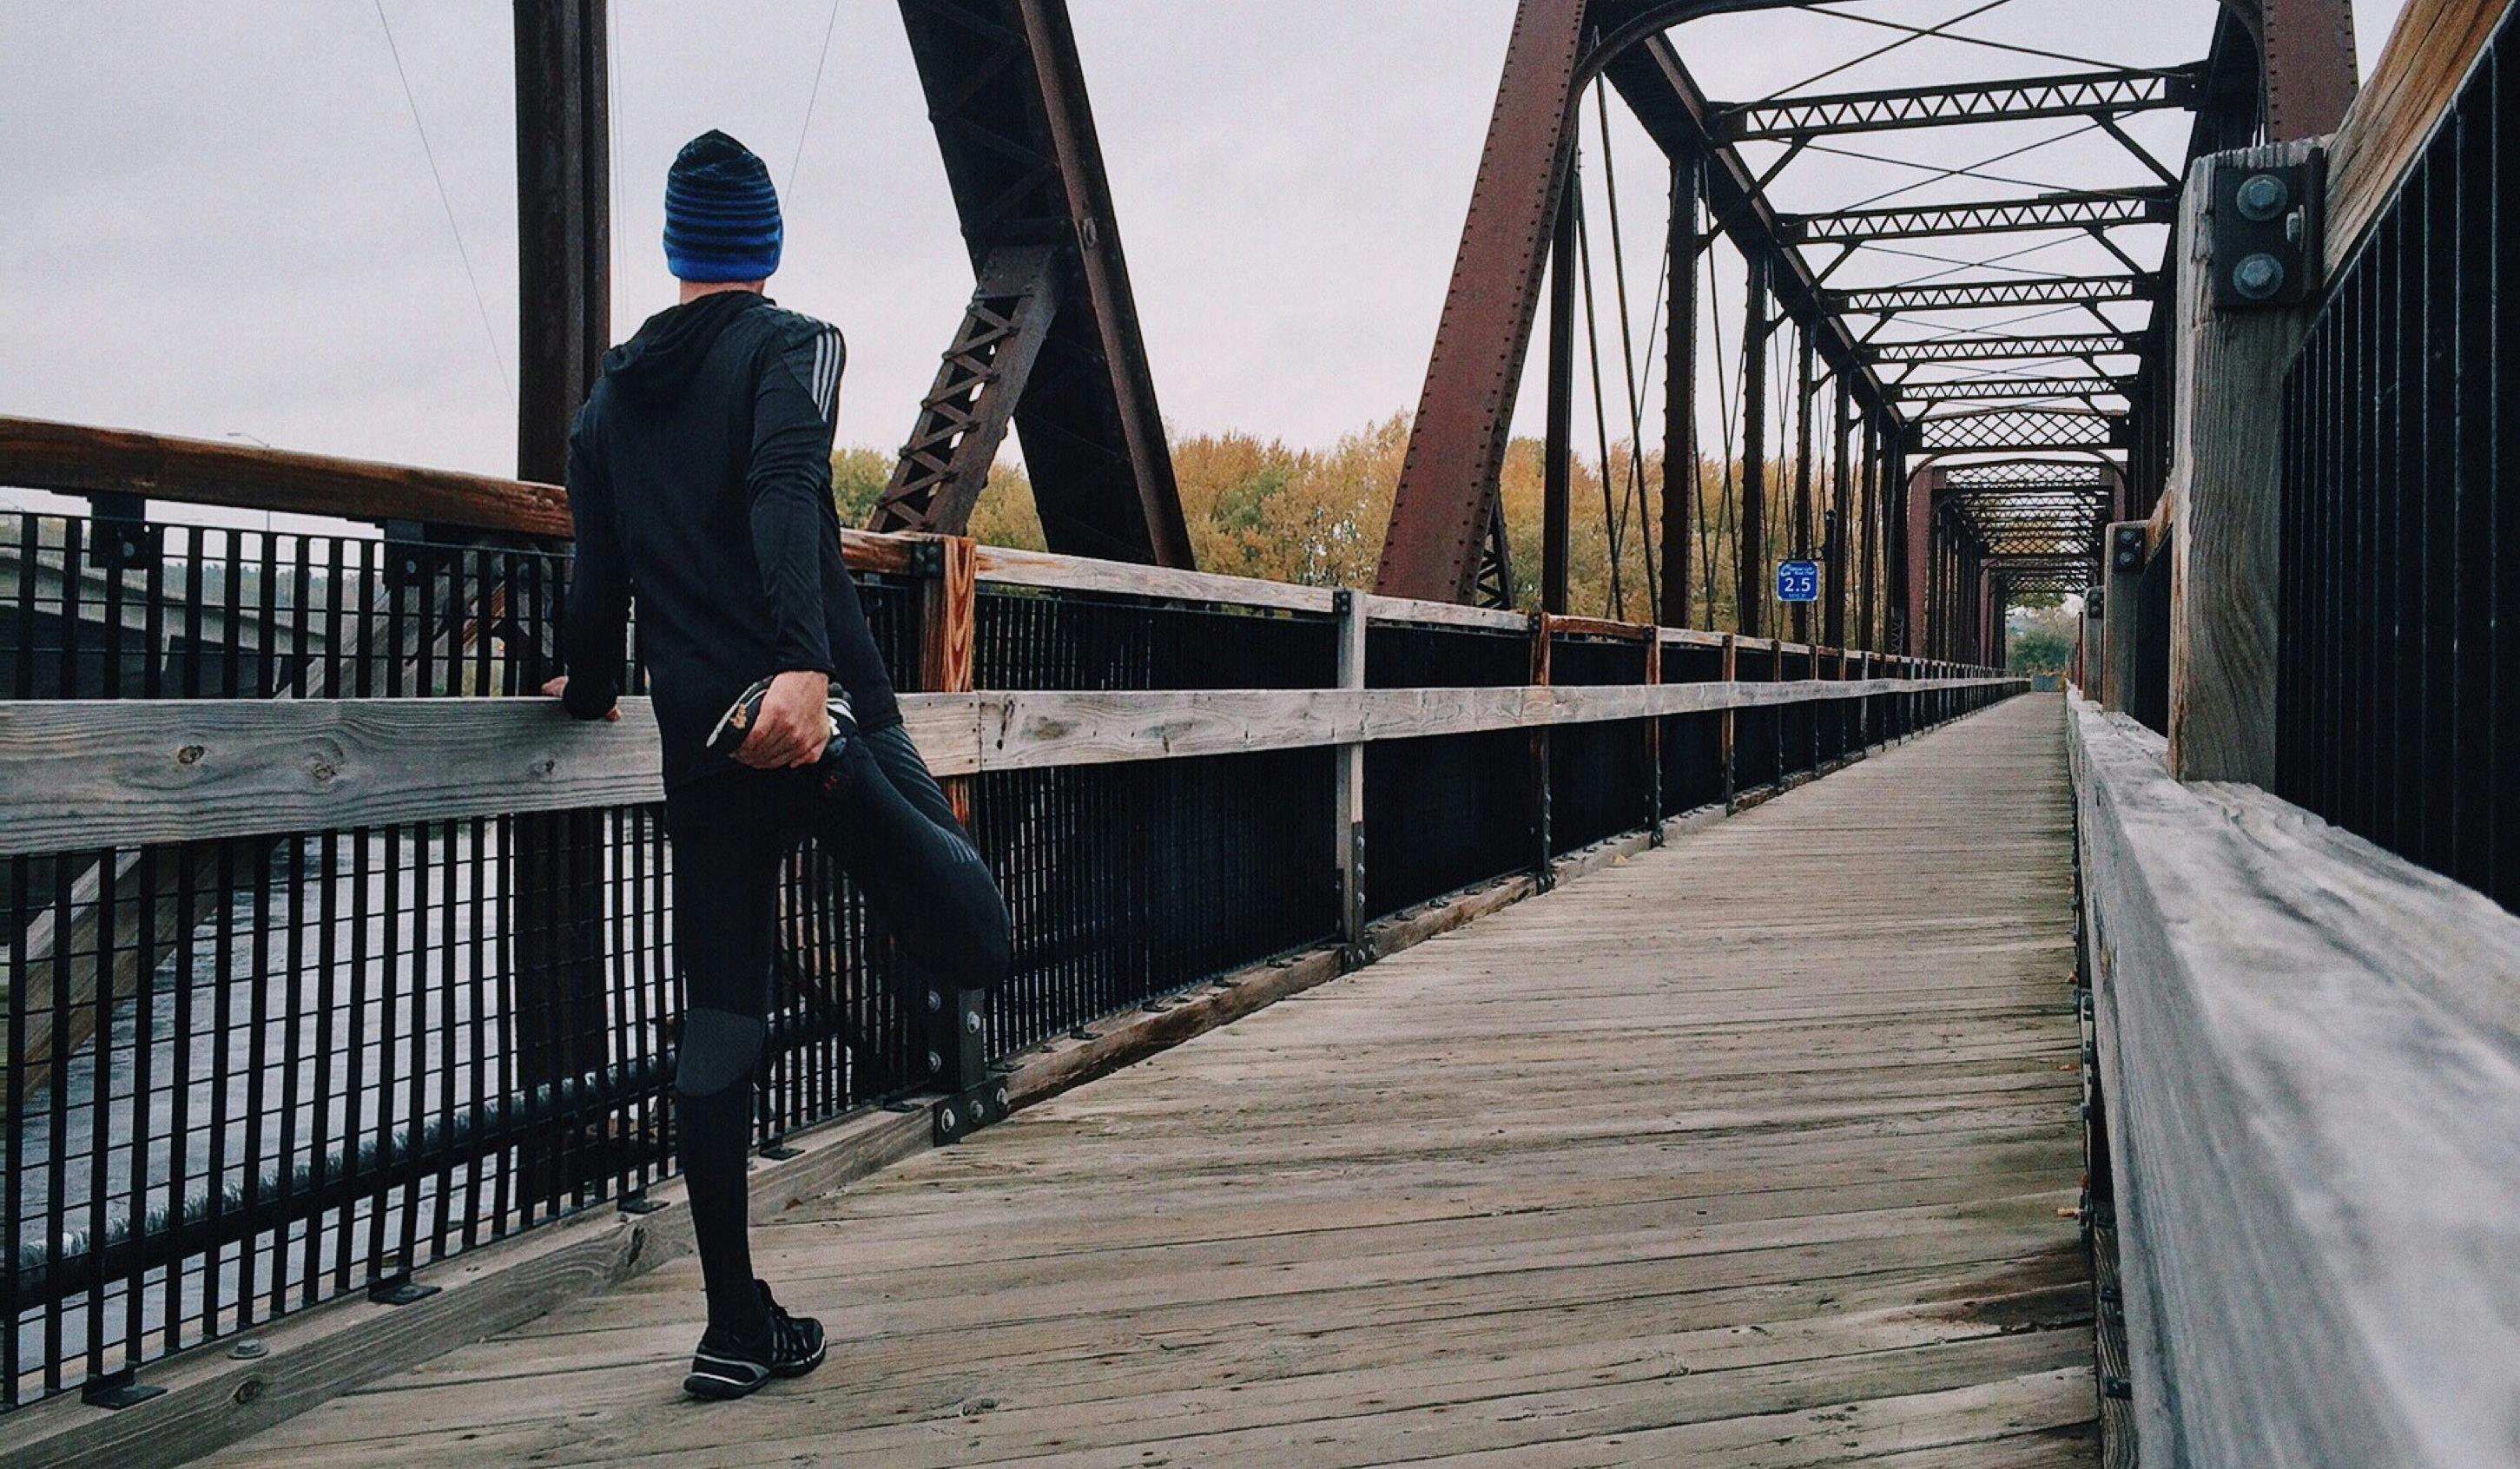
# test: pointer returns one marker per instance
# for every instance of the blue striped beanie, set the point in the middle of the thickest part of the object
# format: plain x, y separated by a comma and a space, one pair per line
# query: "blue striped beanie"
721, 214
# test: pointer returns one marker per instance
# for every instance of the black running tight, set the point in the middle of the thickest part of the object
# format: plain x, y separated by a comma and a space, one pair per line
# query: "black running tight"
876, 809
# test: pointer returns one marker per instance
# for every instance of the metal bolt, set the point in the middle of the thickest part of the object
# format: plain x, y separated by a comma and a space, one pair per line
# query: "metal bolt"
2258, 276
936, 1002
935, 1063
971, 1022
2263, 196
2116, 1387
947, 1117
249, 1350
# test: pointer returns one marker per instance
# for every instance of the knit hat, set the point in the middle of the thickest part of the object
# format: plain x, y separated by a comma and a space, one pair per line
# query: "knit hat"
721, 214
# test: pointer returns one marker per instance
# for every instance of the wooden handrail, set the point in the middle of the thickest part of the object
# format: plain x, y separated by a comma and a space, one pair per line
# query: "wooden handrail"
2429, 53
82, 775
2309, 1070
76, 459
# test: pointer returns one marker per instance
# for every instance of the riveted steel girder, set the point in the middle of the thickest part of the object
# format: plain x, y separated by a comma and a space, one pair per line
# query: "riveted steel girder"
1993, 348
1958, 295
2079, 95
2066, 210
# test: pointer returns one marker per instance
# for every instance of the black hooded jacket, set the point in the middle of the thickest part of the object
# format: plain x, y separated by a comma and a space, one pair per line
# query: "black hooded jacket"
700, 476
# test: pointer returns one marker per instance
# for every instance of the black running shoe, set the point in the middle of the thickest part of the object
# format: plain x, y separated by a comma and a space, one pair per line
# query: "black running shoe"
787, 1347
735, 726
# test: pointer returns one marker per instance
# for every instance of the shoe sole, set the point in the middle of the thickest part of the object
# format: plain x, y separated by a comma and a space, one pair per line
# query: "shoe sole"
727, 1390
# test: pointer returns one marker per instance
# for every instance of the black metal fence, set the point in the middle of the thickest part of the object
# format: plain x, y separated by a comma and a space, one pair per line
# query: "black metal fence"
246, 1076
2399, 674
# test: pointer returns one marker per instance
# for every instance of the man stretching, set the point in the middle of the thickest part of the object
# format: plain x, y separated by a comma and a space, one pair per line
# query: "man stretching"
701, 475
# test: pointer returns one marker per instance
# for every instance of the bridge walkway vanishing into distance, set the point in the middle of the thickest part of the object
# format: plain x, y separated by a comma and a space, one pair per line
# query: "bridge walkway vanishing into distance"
1886, 1066
1662, 1167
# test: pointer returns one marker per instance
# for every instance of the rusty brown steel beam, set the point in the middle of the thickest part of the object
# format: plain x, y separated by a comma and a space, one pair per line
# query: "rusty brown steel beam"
564, 214
1440, 510
2079, 95
1007, 94
2308, 47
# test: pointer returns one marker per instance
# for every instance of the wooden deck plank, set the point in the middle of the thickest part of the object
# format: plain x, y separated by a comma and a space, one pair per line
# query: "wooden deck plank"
1755, 1151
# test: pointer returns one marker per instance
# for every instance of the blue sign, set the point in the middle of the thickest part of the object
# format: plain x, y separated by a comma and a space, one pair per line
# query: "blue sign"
1798, 581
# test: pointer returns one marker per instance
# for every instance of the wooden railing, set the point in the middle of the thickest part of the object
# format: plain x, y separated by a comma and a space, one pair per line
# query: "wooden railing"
1186, 775
2296, 788
2310, 1067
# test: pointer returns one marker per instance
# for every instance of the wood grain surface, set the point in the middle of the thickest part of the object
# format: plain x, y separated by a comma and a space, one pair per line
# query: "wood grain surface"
2312, 1053
1665, 1167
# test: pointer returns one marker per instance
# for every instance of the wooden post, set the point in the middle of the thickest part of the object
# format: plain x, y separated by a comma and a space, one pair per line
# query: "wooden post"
948, 644
1732, 672
1544, 871
948, 637
2120, 621
1348, 800
2223, 502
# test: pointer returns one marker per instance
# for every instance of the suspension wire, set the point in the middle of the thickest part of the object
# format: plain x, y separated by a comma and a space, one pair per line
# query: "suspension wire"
1957, 264
1966, 168
1940, 34
498, 359
1601, 411
1635, 478
1940, 172
811, 97
1878, 51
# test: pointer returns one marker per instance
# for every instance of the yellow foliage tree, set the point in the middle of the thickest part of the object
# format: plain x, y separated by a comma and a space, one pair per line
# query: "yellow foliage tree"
1258, 508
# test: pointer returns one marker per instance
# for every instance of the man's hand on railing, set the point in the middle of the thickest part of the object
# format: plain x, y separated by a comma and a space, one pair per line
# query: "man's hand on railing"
558, 687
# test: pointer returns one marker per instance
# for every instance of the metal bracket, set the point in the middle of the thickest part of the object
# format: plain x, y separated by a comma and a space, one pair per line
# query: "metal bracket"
397, 1288
2264, 223
116, 1391
965, 1112
121, 537
639, 1203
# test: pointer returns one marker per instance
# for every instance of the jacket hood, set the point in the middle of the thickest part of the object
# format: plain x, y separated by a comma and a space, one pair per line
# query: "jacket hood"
658, 361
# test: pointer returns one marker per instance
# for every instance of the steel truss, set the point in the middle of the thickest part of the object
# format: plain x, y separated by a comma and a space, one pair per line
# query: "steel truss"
1991, 349
1955, 295
2082, 95
2069, 211
1986, 390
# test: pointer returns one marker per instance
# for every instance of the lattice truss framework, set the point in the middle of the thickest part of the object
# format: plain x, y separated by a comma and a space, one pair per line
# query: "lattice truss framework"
1968, 293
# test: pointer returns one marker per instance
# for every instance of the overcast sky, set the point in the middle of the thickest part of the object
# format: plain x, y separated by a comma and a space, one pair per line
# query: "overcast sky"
220, 220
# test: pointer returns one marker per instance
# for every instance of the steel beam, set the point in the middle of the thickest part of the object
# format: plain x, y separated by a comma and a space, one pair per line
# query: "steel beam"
2073, 209
1447, 490
1988, 389
1443, 502
962, 420
1750, 566
564, 214
2009, 431
1957, 296
1007, 95
2309, 68
1557, 469
2078, 95
1679, 395
1995, 348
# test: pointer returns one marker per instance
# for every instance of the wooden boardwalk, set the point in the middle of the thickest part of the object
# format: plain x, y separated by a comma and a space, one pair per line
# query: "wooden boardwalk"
1751, 1151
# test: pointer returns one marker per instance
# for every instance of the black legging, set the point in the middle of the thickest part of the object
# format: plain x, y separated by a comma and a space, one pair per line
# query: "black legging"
876, 809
